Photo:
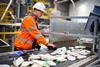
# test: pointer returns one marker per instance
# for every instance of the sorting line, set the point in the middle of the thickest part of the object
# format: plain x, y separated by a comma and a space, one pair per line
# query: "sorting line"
80, 63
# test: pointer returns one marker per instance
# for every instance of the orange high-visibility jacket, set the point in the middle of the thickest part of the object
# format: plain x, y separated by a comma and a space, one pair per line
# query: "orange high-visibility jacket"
28, 33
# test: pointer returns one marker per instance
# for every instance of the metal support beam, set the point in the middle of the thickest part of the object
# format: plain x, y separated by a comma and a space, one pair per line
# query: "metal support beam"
71, 17
58, 2
2, 17
82, 62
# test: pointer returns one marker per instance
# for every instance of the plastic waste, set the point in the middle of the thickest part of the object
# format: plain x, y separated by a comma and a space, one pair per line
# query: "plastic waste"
4, 65
17, 53
84, 52
61, 50
51, 63
72, 58
41, 63
34, 57
72, 53
80, 47
26, 63
36, 65
48, 57
43, 47
81, 56
19, 61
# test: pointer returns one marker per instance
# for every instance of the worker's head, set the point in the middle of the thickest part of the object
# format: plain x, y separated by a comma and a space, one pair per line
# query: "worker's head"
39, 9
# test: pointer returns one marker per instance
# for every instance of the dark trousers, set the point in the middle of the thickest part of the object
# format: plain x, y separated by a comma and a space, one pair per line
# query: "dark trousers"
34, 45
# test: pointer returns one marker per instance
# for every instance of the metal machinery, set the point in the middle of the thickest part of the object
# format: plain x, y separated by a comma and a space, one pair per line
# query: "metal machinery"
6, 14
65, 30
66, 33
93, 25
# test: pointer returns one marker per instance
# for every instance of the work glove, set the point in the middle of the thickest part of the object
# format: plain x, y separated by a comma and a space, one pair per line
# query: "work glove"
51, 47
38, 47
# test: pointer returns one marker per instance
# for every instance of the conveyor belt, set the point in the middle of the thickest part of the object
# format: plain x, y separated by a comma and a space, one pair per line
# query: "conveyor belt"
6, 59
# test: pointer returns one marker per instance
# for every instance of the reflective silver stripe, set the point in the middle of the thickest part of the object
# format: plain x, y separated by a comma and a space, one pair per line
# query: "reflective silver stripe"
24, 40
38, 35
24, 30
26, 17
21, 28
32, 28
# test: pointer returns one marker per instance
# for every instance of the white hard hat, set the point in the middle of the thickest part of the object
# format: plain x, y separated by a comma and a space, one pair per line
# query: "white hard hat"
40, 6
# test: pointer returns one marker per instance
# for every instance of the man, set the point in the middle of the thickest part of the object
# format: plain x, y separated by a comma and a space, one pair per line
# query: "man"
30, 36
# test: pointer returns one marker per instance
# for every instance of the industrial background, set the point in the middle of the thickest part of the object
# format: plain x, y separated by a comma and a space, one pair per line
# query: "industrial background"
67, 22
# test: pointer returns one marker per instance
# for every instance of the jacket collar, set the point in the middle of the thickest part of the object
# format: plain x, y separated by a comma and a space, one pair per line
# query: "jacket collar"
34, 16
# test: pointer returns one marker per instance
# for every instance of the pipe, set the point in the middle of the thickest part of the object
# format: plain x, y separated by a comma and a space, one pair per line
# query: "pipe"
62, 1
18, 11
73, 3
74, 7
6, 44
6, 10
71, 17
70, 34
13, 17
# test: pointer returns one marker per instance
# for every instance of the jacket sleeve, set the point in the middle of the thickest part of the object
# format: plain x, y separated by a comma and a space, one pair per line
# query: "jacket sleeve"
30, 25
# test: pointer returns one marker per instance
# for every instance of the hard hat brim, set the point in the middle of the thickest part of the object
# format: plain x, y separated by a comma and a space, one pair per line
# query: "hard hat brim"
44, 11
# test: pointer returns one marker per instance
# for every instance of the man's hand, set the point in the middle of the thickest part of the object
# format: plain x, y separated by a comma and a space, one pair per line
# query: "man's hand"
51, 47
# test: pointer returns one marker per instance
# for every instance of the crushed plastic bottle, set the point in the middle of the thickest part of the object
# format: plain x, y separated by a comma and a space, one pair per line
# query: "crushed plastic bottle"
19, 53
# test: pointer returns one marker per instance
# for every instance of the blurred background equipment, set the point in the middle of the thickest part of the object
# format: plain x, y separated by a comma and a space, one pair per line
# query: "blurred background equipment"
69, 23
4, 46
